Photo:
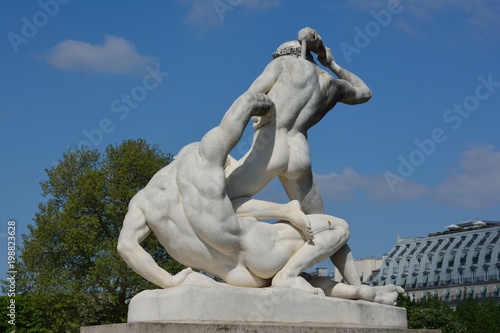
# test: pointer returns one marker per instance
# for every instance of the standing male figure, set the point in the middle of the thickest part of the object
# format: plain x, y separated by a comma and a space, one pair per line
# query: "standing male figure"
303, 93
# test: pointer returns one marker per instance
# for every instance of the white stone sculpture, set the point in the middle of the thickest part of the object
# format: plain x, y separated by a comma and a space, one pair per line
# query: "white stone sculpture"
200, 206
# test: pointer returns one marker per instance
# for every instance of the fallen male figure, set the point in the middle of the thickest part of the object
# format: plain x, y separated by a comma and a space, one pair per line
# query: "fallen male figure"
186, 206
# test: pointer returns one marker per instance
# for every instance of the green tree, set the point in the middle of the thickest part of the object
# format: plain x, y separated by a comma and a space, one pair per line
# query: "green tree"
69, 260
430, 313
24, 317
479, 317
470, 316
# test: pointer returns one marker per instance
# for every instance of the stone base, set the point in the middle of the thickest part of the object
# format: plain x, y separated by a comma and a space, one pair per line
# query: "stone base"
231, 328
200, 300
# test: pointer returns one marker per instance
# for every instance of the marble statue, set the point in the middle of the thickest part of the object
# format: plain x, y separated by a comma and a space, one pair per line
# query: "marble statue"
200, 206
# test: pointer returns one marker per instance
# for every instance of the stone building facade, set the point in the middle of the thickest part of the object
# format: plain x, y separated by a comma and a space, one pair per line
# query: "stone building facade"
463, 261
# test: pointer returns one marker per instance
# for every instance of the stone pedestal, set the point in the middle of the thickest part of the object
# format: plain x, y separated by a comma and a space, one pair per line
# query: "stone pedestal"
207, 306
231, 328
236, 305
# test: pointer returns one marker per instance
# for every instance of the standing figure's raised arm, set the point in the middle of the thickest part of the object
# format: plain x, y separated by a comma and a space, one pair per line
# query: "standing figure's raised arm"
349, 89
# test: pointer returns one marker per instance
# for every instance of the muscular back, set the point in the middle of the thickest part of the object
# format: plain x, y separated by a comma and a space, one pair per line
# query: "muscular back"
302, 92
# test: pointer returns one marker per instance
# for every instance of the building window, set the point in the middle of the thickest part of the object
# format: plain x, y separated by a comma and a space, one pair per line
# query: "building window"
414, 282
496, 292
449, 243
440, 261
460, 276
471, 293
487, 255
469, 244
484, 239
484, 291
436, 278
458, 295
425, 280
451, 260
486, 274
475, 257
473, 274
448, 278
447, 295
463, 258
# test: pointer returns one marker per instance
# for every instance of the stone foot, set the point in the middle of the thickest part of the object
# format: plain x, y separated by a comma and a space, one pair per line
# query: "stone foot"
383, 294
300, 220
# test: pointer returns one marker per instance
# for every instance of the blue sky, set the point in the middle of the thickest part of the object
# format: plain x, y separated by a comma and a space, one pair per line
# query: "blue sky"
422, 154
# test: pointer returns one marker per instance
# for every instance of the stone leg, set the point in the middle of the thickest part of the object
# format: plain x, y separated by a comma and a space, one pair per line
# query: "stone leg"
330, 235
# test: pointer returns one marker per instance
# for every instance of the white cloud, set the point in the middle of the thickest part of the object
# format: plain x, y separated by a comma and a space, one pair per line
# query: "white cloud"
214, 12
116, 55
477, 184
345, 185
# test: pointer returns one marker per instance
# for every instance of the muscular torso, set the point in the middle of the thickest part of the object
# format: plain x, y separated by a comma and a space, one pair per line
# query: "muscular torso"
186, 208
303, 93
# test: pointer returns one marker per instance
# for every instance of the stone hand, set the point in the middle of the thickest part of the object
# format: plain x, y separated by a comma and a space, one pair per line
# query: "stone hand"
313, 40
326, 59
260, 104
178, 278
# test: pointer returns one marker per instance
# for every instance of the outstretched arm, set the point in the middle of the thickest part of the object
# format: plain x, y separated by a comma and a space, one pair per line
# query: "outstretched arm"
350, 89
218, 142
133, 232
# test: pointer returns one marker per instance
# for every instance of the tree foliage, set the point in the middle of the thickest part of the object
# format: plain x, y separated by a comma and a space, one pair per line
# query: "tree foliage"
69, 261
470, 316
24, 319
479, 317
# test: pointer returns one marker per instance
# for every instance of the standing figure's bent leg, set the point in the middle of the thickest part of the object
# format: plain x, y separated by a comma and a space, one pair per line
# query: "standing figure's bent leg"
306, 190
344, 261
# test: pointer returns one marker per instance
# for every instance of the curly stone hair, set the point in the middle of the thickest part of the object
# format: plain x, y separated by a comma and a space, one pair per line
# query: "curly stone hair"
293, 48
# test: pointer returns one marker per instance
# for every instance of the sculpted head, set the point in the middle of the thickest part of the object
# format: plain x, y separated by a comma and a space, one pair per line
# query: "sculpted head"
292, 48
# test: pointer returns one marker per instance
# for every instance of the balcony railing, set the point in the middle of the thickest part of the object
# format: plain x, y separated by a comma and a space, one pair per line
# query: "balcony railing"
459, 281
479, 296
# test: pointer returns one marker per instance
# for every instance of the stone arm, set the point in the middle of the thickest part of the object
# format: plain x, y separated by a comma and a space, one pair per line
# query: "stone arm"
349, 89
134, 231
265, 81
216, 145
